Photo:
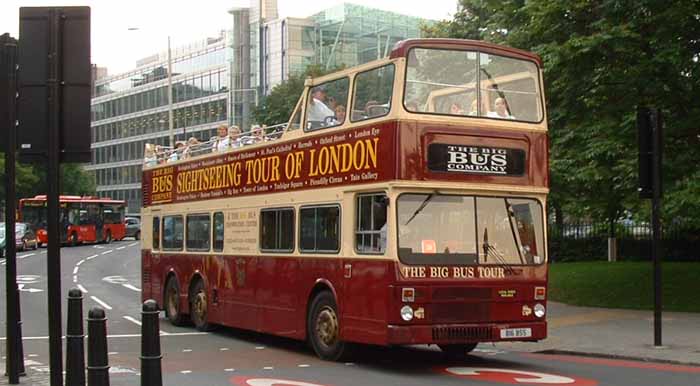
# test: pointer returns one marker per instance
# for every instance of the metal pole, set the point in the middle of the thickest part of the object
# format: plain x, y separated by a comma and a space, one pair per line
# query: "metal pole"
170, 97
53, 261
14, 366
655, 221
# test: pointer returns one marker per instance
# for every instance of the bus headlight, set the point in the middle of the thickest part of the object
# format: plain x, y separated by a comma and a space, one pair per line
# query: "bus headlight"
539, 310
407, 313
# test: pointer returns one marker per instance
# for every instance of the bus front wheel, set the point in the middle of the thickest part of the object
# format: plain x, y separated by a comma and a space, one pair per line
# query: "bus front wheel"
172, 303
457, 351
108, 238
73, 239
199, 307
323, 328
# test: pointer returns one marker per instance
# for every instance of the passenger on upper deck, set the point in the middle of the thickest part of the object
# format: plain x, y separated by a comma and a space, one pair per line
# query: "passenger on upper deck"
340, 114
234, 133
149, 155
222, 142
177, 152
193, 146
318, 110
501, 110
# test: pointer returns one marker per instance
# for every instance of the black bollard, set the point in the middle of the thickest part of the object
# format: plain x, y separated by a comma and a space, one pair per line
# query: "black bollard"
75, 348
97, 368
151, 373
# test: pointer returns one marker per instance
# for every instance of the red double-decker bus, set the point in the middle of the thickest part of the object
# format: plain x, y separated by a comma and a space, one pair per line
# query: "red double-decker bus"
403, 203
82, 219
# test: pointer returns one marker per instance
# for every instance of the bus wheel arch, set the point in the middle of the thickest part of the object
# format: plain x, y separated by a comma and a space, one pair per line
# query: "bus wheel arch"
199, 303
171, 301
323, 323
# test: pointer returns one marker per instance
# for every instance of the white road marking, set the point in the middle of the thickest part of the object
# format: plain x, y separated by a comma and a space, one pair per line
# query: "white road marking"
349, 364
223, 349
75, 279
100, 302
32, 355
99, 247
132, 244
304, 365
91, 257
82, 289
29, 362
80, 262
75, 270
229, 370
132, 320
131, 287
260, 348
187, 350
106, 252
185, 372
27, 255
112, 353
120, 248
268, 368
2, 338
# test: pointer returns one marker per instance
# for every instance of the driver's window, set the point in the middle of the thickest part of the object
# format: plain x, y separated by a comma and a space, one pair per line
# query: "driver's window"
373, 90
326, 104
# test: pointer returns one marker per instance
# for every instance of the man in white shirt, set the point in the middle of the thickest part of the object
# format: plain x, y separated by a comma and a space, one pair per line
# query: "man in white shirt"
501, 110
318, 111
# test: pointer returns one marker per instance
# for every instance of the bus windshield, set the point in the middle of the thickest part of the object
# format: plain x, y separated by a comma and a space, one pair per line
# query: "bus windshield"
454, 230
450, 82
34, 215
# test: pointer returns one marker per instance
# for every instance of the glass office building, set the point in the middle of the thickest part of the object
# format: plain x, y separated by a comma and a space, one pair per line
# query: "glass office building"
220, 80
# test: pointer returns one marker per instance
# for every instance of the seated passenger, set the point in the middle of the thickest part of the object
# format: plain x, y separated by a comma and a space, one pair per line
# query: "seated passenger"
340, 114
318, 113
222, 142
193, 145
501, 110
149, 155
175, 153
456, 109
234, 134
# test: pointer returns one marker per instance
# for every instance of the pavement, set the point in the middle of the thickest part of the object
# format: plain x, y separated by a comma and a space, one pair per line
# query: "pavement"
597, 332
615, 333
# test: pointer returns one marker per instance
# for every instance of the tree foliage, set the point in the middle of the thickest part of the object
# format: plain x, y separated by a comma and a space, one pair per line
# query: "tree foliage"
31, 180
278, 106
603, 59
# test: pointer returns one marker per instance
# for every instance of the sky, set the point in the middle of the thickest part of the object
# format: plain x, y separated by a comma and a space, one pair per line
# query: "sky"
118, 48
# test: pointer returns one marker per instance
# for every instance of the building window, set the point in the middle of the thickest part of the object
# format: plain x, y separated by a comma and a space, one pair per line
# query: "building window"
319, 229
156, 233
198, 232
370, 223
172, 233
277, 230
218, 232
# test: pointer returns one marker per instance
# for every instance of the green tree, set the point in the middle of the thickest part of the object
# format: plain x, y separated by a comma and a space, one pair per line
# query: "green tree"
279, 105
602, 59
31, 180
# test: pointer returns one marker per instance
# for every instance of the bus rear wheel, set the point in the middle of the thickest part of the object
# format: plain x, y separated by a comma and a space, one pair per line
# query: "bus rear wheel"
171, 300
457, 351
323, 328
73, 239
199, 307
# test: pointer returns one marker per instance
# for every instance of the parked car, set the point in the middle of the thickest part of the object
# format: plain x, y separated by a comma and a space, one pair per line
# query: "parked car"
25, 238
133, 228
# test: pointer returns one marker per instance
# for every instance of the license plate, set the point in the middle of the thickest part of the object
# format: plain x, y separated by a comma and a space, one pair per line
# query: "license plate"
511, 333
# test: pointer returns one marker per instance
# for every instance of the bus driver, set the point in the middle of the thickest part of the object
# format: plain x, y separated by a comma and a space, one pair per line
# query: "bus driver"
318, 110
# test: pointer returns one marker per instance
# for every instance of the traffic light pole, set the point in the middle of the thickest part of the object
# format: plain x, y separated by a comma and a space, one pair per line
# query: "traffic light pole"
657, 145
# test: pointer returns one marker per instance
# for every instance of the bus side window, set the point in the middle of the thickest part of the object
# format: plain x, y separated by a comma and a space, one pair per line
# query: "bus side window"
319, 229
218, 232
156, 233
373, 90
173, 229
371, 223
198, 231
277, 230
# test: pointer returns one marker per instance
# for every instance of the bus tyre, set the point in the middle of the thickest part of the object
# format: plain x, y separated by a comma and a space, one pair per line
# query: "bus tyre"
199, 307
457, 352
323, 328
171, 299
108, 237
73, 239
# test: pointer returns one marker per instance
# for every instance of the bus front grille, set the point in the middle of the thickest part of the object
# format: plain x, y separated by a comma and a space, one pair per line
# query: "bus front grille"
466, 334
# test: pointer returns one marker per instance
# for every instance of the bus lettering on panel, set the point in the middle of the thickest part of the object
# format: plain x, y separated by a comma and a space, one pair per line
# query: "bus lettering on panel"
358, 156
241, 230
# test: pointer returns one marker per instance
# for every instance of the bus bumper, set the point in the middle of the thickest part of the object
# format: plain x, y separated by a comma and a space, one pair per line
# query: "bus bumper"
466, 333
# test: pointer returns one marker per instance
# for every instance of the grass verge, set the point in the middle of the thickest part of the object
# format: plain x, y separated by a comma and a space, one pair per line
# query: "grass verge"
625, 285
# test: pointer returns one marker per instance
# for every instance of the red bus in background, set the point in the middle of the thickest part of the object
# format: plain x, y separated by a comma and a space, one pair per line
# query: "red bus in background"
82, 219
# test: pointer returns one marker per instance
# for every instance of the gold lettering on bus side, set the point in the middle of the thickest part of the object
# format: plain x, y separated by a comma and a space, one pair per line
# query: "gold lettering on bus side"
439, 272
334, 159
371, 152
236, 174
162, 184
313, 171
346, 156
411, 272
248, 171
324, 161
358, 155
275, 168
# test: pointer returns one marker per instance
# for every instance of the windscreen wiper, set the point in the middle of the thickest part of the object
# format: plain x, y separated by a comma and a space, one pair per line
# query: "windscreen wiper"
491, 251
420, 207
